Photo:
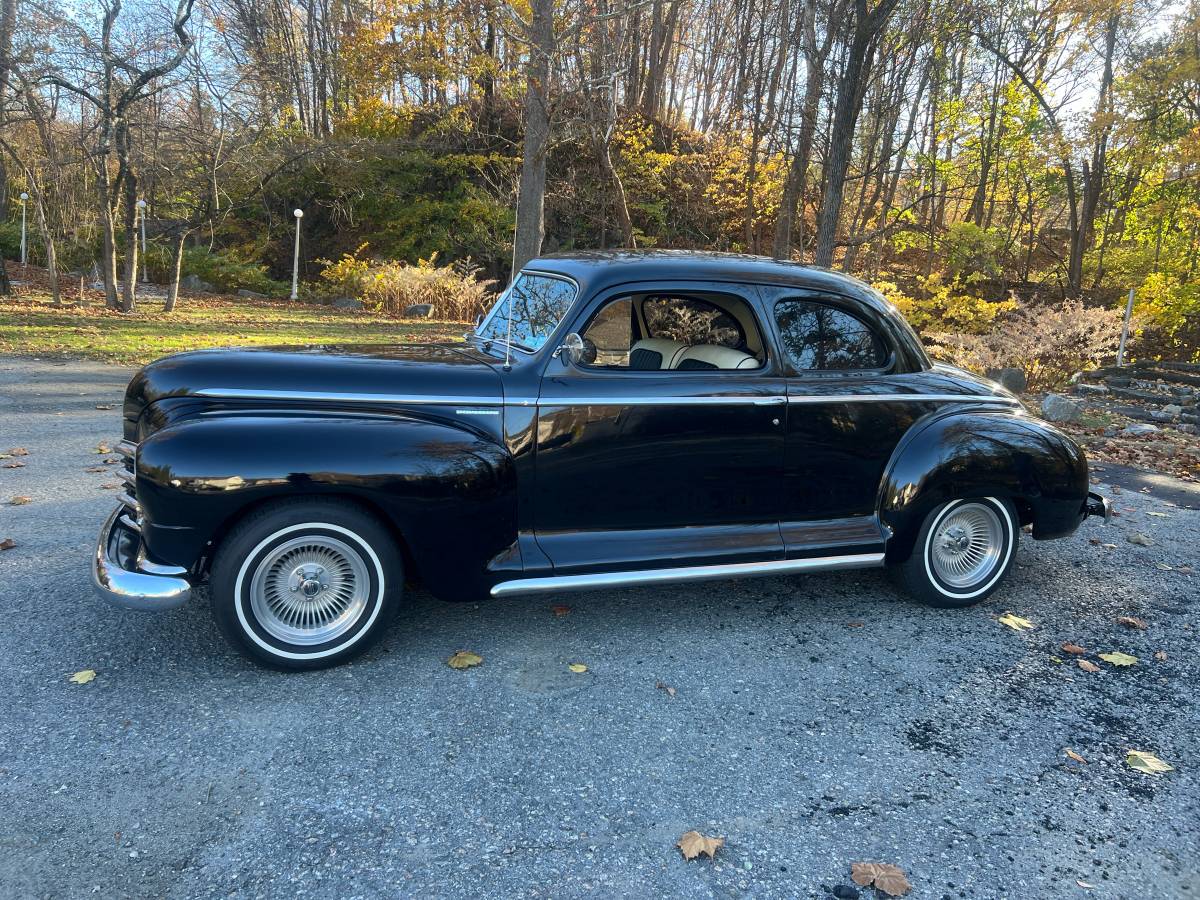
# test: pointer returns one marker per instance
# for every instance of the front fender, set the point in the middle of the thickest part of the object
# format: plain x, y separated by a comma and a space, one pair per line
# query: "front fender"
450, 492
984, 454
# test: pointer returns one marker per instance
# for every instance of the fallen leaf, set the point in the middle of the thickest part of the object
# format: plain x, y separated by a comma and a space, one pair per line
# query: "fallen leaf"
103, 406
560, 610
1160, 655
13, 465
103, 448
1185, 570
1158, 514
7, 544
1016, 623
1071, 754
1088, 666
1118, 659
666, 687
1084, 884
1109, 546
20, 501
1140, 539
110, 486
18, 451
886, 877
1132, 622
464, 659
577, 668
855, 624
83, 677
694, 843
1147, 762
1073, 649
96, 469
112, 460
1165, 567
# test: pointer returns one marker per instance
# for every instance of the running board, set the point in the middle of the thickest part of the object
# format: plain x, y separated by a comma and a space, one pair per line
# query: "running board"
684, 574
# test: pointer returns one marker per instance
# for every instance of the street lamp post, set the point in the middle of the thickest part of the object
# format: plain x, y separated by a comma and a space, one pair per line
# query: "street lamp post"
299, 214
141, 205
24, 197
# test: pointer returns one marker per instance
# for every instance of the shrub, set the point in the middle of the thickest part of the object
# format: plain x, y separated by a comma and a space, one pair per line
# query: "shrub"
387, 286
225, 270
1047, 343
945, 307
10, 240
971, 250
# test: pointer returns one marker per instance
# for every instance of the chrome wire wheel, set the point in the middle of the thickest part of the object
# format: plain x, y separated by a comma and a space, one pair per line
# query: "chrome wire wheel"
967, 546
310, 590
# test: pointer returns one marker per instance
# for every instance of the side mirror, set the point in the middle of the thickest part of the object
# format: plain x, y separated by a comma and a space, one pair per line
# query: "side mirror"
571, 349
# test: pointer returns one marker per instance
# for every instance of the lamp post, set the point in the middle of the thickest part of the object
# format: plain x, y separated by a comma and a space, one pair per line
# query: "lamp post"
299, 214
24, 197
141, 205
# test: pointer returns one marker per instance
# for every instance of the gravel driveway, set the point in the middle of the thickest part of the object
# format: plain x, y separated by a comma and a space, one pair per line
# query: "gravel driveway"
817, 721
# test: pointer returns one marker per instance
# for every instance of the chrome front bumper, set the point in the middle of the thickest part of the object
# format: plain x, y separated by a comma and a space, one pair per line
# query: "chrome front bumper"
1096, 505
124, 577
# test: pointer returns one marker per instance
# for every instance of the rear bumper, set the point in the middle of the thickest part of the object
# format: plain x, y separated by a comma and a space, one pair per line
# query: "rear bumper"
124, 577
1095, 505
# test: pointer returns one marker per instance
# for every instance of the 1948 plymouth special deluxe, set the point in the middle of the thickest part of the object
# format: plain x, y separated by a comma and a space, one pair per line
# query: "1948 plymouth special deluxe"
616, 419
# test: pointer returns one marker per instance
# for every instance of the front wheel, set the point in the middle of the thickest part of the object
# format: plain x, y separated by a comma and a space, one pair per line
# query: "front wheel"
964, 550
306, 584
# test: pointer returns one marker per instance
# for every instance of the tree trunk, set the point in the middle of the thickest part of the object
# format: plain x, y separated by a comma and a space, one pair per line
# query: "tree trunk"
531, 195
176, 269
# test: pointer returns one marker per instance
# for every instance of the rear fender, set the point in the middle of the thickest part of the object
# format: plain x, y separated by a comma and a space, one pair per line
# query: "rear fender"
984, 454
450, 492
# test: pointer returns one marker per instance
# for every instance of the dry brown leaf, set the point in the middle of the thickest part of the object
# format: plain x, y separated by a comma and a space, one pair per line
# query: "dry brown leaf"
1088, 666
96, 469
666, 687
15, 464
560, 610
112, 460
1084, 884
887, 878
18, 451
1160, 655
83, 677
20, 500
1071, 754
464, 659
1132, 622
1073, 649
109, 486
7, 544
1185, 570
854, 624
103, 406
693, 843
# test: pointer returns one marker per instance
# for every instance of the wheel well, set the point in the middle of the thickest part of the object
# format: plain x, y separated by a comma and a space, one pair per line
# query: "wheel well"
410, 566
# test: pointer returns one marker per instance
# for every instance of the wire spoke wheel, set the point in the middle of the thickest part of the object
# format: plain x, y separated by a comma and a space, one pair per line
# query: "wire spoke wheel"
310, 590
967, 546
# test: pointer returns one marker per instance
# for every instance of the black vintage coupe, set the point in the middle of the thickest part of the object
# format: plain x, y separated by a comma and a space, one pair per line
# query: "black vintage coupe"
617, 419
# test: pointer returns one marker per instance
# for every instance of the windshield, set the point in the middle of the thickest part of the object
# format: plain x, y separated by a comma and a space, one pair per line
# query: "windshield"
538, 303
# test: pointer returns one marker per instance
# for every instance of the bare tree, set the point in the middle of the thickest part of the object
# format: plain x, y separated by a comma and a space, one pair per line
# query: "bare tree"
531, 194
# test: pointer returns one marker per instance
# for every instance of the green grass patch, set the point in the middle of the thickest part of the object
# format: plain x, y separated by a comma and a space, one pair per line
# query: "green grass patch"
30, 326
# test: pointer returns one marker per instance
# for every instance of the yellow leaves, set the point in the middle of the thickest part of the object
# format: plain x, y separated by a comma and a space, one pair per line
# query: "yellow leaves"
20, 500
1148, 763
464, 659
1016, 623
693, 843
886, 878
84, 676
103, 448
577, 668
1119, 659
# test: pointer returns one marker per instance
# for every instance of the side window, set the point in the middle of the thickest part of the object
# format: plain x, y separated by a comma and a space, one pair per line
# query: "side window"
692, 321
819, 337
609, 336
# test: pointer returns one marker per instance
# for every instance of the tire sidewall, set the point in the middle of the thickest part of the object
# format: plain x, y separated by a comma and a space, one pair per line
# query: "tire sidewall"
247, 546
964, 597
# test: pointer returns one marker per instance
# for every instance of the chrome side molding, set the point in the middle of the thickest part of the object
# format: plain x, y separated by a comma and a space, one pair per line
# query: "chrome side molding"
685, 574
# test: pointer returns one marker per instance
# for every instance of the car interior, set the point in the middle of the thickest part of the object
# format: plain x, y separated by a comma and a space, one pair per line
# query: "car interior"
675, 331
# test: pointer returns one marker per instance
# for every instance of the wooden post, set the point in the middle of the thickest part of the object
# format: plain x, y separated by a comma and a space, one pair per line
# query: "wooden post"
1125, 329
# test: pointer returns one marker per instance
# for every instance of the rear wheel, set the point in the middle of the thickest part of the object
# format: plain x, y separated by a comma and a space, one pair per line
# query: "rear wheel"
964, 550
306, 584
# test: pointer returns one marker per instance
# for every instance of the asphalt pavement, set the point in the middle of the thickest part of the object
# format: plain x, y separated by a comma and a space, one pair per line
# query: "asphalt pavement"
816, 721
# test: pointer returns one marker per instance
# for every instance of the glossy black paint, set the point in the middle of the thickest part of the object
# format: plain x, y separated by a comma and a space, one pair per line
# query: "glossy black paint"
489, 470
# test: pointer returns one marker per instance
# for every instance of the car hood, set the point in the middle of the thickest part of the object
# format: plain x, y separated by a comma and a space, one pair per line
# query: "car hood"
318, 371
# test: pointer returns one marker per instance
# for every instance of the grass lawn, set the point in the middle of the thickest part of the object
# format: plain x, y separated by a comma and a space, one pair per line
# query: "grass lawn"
30, 326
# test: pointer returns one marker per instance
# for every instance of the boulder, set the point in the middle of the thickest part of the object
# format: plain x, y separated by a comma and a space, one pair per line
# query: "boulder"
1013, 379
195, 283
1056, 408
252, 295
1173, 409
1085, 389
419, 311
347, 303
1139, 428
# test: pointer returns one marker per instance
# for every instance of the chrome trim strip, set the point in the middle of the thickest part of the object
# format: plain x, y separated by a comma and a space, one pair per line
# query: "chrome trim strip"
126, 476
684, 574
711, 400
127, 448
129, 523
130, 502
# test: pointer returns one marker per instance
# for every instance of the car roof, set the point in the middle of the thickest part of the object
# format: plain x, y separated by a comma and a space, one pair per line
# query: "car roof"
594, 269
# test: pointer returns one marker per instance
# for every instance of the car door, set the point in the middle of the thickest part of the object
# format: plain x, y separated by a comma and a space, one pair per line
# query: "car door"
664, 466
847, 411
